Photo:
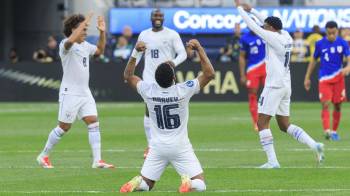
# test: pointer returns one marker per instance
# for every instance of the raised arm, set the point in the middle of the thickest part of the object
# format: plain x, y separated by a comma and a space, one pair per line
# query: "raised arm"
76, 33
258, 15
208, 72
101, 26
129, 72
180, 50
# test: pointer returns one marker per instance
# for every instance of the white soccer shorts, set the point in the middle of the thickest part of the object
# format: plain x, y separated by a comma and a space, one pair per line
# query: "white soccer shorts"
185, 162
73, 106
274, 101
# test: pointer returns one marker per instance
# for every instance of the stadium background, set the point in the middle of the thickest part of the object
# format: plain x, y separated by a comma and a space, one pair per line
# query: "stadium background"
26, 31
220, 131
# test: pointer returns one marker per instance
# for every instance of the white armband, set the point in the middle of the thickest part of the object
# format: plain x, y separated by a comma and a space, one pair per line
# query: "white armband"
136, 54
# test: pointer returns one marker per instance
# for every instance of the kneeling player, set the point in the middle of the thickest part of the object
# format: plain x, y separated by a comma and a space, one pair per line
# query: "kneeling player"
168, 111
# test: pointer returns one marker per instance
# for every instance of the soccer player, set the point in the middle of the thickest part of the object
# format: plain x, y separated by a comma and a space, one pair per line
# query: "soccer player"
75, 98
275, 98
331, 50
252, 56
168, 109
161, 44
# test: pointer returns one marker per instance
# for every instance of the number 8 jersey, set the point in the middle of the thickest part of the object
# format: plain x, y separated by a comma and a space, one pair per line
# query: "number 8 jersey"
168, 111
161, 46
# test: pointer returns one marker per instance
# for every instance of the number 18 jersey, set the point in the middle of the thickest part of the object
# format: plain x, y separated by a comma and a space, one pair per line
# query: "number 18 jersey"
168, 112
161, 46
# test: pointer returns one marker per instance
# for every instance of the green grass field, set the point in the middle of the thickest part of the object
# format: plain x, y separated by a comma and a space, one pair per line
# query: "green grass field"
221, 134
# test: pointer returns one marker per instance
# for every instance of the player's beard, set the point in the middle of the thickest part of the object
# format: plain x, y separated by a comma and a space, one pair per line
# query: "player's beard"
157, 25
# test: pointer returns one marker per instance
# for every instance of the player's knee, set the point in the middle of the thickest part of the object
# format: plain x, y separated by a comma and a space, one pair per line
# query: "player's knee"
325, 105
90, 119
337, 107
64, 126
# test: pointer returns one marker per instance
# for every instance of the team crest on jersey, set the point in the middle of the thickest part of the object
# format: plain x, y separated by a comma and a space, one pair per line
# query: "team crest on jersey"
332, 50
189, 83
258, 42
340, 49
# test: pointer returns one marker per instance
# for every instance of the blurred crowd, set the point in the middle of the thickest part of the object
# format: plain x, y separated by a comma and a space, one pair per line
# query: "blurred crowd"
119, 48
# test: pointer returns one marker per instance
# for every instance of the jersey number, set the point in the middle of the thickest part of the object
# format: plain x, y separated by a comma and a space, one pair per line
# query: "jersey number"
326, 57
84, 62
165, 119
155, 54
287, 59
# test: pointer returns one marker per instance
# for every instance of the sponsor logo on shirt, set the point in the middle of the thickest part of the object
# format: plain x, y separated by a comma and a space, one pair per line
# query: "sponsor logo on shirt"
190, 83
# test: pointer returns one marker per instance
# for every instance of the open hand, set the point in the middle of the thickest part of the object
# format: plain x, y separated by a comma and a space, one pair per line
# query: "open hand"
307, 84
101, 24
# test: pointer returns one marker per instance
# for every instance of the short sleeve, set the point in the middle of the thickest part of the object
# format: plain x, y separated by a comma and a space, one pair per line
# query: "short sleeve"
346, 51
317, 52
190, 87
243, 46
91, 48
62, 49
142, 87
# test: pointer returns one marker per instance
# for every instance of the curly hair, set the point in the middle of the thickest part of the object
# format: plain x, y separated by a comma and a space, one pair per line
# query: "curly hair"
72, 22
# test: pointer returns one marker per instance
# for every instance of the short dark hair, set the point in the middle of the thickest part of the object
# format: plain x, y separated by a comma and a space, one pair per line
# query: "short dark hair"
72, 22
331, 25
275, 22
165, 75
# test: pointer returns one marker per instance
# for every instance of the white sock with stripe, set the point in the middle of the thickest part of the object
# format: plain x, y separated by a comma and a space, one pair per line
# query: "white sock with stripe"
95, 140
266, 141
301, 136
54, 137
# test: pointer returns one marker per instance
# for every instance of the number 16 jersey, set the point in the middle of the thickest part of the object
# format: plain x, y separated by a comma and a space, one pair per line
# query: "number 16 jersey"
168, 112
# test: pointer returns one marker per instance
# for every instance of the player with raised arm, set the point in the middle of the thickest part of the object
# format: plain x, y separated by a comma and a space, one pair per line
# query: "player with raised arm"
275, 98
75, 98
252, 69
169, 112
160, 44
331, 50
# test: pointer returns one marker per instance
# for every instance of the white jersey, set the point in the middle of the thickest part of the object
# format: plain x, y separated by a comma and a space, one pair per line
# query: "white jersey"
168, 112
161, 46
278, 50
75, 64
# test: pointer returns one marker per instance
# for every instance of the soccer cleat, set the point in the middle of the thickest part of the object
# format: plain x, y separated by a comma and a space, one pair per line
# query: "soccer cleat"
131, 185
185, 186
335, 136
319, 153
327, 135
102, 164
44, 162
270, 166
145, 153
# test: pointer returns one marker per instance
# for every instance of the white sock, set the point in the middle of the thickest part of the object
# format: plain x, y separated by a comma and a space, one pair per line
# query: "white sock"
95, 141
266, 141
147, 129
198, 185
54, 136
301, 136
143, 186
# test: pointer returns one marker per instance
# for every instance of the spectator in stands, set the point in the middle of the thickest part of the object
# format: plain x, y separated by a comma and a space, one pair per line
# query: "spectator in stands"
345, 34
122, 50
41, 56
235, 42
52, 49
231, 51
127, 33
13, 57
313, 38
300, 47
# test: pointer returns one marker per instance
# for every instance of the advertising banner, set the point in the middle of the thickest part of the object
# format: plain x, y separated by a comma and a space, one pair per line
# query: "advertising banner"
222, 20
